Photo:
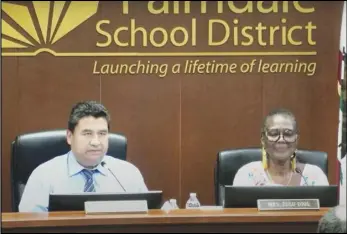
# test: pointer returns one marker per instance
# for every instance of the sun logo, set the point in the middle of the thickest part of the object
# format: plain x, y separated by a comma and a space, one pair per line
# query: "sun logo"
43, 23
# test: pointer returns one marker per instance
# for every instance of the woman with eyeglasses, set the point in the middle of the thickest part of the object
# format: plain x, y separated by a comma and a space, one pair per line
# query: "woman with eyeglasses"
279, 138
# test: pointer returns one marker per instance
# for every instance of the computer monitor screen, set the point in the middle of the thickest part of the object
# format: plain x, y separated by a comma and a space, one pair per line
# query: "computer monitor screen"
75, 202
247, 196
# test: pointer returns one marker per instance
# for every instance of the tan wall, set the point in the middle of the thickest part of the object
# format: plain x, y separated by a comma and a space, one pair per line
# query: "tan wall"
176, 125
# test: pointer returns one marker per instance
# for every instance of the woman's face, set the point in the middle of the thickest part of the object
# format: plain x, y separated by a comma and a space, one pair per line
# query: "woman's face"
280, 137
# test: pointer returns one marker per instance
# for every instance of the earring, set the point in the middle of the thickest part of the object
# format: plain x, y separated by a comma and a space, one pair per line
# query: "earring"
264, 157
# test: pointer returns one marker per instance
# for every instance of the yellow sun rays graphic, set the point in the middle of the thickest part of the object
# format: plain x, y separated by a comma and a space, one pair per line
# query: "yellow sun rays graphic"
60, 24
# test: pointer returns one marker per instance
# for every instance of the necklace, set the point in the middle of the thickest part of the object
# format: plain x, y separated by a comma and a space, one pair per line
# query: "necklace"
270, 177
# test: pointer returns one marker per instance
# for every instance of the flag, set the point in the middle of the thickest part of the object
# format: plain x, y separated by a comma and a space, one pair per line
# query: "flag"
341, 88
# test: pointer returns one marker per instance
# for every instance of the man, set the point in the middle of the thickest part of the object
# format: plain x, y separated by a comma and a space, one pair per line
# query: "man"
334, 221
85, 168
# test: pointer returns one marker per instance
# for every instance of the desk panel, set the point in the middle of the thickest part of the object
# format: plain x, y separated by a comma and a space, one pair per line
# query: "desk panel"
227, 220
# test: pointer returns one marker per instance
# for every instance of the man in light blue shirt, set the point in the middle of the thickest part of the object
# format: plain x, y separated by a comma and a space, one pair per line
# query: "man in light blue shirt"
343, 181
85, 168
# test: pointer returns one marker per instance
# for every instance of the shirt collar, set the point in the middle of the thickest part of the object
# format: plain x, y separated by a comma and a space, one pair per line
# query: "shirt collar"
74, 167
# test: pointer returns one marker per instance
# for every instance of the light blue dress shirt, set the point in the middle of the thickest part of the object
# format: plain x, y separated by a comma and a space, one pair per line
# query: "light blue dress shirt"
63, 174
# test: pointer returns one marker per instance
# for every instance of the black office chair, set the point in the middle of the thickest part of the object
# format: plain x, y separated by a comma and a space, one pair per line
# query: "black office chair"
230, 161
32, 149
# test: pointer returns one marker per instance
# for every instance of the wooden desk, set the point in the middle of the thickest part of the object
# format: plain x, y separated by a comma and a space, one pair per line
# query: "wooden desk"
228, 220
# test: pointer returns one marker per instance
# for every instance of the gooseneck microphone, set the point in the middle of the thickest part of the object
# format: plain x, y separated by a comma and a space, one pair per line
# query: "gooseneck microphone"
298, 170
105, 166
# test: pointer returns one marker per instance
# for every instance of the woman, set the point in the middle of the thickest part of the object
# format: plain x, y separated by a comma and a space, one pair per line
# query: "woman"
279, 166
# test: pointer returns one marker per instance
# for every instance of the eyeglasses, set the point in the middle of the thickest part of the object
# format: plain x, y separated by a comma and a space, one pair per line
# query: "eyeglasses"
274, 135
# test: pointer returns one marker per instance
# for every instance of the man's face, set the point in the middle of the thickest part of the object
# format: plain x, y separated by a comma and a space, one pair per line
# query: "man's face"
89, 141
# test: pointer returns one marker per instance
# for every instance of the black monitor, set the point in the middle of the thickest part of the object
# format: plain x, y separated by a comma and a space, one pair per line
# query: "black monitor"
75, 202
247, 196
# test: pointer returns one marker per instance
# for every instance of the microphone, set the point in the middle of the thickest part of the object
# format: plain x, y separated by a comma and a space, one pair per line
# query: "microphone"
298, 170
105, 166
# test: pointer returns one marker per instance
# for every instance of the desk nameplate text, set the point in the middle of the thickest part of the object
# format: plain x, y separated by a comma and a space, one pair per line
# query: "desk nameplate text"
288, 204
104, 207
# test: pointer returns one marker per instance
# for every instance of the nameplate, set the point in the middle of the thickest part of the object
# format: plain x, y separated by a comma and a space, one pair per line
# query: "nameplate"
288, 204
217, 208
114, 207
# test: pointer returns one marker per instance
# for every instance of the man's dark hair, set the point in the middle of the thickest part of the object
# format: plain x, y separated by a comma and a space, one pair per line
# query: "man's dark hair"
334, 221
279, 111
85, 109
